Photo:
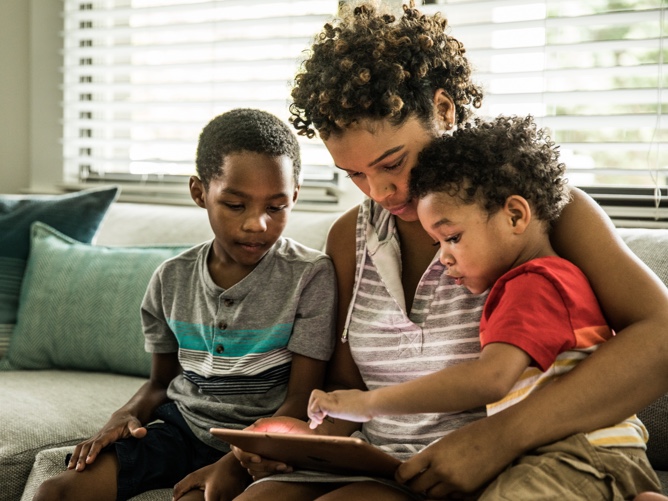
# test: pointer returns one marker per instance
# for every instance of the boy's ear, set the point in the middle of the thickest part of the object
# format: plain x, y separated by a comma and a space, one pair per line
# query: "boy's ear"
295, 196
444, 110
197, 191
518, 213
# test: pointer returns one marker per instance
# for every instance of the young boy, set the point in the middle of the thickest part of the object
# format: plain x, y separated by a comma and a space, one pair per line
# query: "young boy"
487, 195
240, 328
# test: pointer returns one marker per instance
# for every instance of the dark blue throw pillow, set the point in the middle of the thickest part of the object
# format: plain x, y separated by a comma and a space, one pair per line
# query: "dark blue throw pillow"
77, 215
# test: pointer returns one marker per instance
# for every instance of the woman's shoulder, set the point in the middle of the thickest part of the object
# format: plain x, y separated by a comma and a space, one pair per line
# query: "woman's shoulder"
342, 234
346, 221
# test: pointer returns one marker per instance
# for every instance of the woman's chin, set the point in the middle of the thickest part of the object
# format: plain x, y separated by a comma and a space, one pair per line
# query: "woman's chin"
406, 212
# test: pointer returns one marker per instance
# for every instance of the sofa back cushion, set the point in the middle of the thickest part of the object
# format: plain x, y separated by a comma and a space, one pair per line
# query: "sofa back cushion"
651, 245
77, 215
79, 306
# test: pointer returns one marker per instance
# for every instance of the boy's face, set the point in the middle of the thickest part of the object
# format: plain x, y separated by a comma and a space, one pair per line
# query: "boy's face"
248, 205
476, 248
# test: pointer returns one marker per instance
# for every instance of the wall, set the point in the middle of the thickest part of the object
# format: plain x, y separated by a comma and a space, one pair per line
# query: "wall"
14, 83
29, 94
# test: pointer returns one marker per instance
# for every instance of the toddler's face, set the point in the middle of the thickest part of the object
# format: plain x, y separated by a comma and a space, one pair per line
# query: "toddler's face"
473, 245
248, 205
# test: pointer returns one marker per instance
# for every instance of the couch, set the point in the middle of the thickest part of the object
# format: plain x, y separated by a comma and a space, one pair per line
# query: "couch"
65, 395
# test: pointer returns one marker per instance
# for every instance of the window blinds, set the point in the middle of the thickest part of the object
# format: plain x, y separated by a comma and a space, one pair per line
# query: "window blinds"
142, 77
593, 72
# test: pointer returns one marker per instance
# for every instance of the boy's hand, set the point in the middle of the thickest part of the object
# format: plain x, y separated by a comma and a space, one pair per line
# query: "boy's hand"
351, 405
259, 467
119, 426
225, 479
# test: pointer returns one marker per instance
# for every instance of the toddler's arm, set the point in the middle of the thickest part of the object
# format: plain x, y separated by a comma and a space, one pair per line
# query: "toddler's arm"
460, 387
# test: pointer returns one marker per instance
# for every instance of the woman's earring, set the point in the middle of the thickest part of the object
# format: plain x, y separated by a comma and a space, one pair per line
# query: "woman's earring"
449, 125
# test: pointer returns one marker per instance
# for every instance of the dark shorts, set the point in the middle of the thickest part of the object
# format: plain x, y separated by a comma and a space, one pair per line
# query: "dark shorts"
167, 453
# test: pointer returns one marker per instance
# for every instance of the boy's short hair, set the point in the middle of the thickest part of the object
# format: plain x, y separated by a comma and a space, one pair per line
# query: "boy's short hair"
488, 161
244, 129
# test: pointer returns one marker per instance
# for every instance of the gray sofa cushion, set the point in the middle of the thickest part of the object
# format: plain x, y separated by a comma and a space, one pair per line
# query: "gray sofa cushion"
50, 462
45, 409
655, 418
652, 247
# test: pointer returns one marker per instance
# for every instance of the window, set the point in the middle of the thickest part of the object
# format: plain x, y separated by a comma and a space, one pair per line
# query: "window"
593, 72
142, 77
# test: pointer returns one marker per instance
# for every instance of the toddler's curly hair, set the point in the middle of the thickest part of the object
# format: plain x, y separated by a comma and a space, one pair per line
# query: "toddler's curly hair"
366, 64
487, 161
244, 129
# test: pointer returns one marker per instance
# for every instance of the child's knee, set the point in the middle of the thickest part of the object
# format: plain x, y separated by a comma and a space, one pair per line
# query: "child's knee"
53, 489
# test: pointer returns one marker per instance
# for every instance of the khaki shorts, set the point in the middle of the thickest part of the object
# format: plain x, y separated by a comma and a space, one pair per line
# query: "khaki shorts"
574, 469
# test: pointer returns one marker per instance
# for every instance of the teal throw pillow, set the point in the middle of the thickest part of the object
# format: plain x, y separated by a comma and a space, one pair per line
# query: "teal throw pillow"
80, 305
77, 215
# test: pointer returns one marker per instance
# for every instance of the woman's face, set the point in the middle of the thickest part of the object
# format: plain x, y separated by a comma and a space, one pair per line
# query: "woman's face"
378, 157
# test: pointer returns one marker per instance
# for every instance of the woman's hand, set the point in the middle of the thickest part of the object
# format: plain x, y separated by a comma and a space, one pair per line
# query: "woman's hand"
351, 405
121, 425
225, 479
460, 462
259, 467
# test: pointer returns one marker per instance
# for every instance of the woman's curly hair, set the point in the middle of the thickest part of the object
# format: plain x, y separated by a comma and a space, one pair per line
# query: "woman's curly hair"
366, 64
487, 161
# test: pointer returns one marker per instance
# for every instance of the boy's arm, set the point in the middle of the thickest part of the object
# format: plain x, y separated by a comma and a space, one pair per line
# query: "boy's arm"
129, 420
306, 373
460, 387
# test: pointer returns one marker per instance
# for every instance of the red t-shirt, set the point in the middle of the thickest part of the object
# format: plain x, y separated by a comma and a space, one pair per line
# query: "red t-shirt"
544, 307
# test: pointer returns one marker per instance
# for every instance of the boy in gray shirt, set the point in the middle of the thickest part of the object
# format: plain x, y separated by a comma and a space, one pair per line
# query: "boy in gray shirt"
240, 328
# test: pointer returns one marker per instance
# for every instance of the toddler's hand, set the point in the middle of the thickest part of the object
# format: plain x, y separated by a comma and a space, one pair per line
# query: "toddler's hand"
351, 405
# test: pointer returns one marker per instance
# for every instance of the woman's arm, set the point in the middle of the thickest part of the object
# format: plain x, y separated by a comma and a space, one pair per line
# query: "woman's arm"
342, 372
623, 376
626, 289
633, 365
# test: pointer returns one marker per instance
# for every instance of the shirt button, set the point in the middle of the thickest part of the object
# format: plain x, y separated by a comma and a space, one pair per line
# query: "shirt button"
222, 326
220, 349
229, 302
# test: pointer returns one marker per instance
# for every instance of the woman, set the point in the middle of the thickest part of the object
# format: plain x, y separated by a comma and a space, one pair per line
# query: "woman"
377, 90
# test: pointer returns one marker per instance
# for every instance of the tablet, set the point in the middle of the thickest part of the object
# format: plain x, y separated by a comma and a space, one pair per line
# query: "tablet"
314, 452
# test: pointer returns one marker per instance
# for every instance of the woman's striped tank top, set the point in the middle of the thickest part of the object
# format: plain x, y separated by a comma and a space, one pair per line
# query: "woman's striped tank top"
391, 346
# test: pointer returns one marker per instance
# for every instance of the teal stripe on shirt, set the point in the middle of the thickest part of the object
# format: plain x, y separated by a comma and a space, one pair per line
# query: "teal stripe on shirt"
237, 342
